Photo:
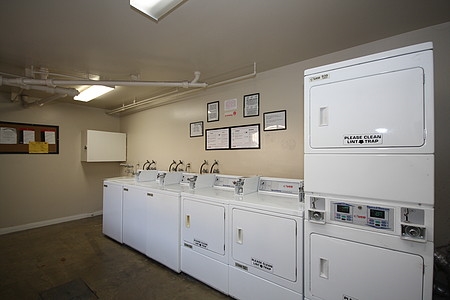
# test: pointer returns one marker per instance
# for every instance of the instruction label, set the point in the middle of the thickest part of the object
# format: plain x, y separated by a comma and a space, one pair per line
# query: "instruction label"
265, 266
200, 244
363, 139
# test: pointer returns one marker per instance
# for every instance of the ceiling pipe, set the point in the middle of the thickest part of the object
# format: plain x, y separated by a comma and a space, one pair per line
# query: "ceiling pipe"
56, 82
175, 94
18, 82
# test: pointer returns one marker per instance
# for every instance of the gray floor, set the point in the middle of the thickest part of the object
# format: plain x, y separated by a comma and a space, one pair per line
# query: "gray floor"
36, 260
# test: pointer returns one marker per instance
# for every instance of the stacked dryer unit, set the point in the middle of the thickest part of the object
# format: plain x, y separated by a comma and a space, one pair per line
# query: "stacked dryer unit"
369, 177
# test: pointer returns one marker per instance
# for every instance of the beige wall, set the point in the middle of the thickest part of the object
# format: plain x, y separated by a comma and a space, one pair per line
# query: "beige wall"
38, 188
162, 133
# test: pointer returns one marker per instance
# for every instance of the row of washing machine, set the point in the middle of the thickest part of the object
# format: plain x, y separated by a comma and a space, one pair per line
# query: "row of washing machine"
241, 235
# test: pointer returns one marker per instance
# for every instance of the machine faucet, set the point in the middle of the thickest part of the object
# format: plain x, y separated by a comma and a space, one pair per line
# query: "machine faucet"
176, 167
212, 170
150, 165
170, 167
204, 170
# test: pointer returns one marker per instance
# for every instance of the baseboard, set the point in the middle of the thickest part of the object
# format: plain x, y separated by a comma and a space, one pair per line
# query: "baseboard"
48, 222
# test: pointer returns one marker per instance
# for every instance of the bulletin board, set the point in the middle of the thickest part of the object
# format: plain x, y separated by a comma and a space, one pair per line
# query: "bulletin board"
23, 138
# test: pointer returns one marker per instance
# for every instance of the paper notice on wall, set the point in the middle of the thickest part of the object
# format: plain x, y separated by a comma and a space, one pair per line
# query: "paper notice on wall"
8, 135
28, 136
38, 147
50, 137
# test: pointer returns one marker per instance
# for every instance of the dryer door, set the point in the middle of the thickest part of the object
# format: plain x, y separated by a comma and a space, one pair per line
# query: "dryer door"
382, 110
204, 225
342, 269
265, 242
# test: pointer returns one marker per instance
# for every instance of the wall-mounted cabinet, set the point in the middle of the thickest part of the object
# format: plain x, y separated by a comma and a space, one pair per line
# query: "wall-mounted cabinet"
103, 146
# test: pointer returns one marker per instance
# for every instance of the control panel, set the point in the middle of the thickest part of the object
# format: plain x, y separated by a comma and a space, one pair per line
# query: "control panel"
290, 187
362, 215
224, 181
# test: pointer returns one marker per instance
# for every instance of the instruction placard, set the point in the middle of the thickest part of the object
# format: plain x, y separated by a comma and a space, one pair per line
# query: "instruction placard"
363, 139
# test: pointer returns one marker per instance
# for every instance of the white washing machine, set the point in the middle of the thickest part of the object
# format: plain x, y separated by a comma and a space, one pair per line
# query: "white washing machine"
163, 214
205, 229
136, 199
112, 206
266, 242
369, 177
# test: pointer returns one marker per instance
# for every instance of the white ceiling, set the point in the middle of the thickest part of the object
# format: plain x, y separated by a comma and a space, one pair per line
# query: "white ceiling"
219, 38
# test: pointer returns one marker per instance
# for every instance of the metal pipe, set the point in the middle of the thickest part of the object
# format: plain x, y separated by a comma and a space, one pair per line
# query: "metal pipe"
56, 82
174, 93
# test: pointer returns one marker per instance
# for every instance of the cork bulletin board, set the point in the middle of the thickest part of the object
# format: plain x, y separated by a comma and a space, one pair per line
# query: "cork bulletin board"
23, 138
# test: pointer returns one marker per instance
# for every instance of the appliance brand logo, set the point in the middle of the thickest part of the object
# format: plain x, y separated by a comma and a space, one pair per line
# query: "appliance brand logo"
319, 77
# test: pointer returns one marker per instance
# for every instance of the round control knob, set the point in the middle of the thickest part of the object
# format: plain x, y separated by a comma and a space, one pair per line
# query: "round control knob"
412, 231
317, 216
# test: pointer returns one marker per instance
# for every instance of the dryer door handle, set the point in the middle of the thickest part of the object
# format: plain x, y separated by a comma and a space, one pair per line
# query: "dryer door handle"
324, 268
187, 221
239, 236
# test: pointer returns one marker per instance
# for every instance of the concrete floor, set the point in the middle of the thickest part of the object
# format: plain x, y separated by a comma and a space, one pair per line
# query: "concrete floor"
36, 260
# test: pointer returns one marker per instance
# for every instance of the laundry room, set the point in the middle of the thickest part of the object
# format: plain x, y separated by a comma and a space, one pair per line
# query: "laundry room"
217, 94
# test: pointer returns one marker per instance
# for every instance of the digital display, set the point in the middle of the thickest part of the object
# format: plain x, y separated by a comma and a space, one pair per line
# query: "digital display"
376, 213
345, 209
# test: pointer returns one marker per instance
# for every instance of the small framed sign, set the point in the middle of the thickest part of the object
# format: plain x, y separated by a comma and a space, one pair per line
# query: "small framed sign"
213, 111
275, 120
251, 105
196, 129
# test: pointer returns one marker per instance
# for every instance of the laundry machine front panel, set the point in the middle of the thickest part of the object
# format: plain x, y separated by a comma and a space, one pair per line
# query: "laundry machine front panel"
382, 103
368, 112
203, 225
112, 210
265, 242
340, 268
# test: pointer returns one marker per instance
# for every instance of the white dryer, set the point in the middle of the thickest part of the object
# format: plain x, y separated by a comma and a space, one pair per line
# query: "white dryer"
369, 177
365, 249
266, 242
205, 229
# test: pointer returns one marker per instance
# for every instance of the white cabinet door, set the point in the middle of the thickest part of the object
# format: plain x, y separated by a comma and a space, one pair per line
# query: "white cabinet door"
204, 225
103, 146
265, 242
342, 269
112, 210
163, 235
135, 218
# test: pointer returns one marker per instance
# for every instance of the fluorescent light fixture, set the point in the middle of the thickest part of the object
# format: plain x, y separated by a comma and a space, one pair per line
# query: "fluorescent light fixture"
92, 92
155, 8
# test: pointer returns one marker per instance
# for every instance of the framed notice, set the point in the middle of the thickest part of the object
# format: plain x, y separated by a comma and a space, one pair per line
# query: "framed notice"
213, 111
196, 129
245, 137
275, 120
217, 139
251, 105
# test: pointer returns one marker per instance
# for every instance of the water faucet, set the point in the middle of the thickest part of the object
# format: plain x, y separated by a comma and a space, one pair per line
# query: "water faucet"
204, 170
170, 167
150, 165
176, 167
192, 182
216, 170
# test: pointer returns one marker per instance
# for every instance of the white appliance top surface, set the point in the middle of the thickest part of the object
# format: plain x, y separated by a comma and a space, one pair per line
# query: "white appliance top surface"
373, 57
217, 195
284, 204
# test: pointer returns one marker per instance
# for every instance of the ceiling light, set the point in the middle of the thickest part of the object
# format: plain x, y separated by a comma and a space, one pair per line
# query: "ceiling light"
92, 92
155, 8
